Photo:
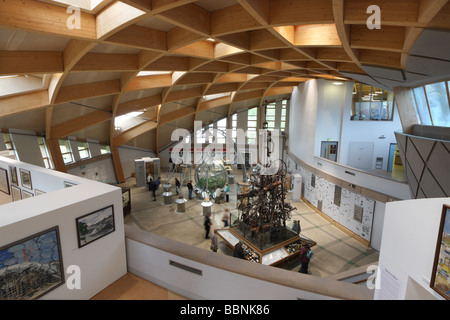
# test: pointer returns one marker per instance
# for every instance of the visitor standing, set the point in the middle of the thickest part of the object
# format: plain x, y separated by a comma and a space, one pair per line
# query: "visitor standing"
177, 185
190, 188
226, 217
305, 257
238, 251
218, 194
149, 181
153, 188
207, 224
214, 241
227, 192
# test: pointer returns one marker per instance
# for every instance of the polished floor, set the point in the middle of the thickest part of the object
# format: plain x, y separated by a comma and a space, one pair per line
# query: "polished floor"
335, 251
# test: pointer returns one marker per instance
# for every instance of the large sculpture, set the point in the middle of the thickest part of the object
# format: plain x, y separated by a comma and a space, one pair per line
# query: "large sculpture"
263, 211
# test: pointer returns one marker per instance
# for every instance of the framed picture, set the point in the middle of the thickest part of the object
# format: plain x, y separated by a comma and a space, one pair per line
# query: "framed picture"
16, 193
4, 182
95, 225
26, 194
38, 192
31, 267
440, 278
25, 178
13, 174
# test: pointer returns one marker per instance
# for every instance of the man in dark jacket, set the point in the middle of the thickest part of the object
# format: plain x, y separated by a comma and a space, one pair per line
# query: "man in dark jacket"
238, 251
190, 188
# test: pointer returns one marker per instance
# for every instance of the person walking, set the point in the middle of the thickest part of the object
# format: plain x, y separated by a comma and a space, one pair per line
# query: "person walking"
153, 188
149, 181
190, 188
207, 224
227, 192
177, 185
305, 257
226, 217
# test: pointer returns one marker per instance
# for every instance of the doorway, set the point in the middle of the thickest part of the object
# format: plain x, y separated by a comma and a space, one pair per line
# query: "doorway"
328, 150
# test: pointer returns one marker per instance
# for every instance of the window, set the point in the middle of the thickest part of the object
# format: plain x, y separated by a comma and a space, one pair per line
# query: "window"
104, 149
66, 151
371, 103
44, 152
270, 115
283, 115
222, 129
83, 150
432, 103
8, 142
252, 126
234, 126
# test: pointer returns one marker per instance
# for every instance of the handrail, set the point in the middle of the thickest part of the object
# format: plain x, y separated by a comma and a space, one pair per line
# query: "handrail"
322, 286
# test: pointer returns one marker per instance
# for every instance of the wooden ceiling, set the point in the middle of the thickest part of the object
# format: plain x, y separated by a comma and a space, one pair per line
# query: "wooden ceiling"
244, 51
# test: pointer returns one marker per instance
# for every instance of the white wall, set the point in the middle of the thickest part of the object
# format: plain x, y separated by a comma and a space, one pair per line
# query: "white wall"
27, 148
408, 247
369, 131
302, 115
102, 261
311, 116
127, 157
330, 105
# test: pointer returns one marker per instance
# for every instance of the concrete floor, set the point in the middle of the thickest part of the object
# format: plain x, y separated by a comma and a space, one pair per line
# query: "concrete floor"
335, 251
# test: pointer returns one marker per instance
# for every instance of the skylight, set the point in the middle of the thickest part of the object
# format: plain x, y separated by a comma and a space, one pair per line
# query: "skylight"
151, 73
82, 4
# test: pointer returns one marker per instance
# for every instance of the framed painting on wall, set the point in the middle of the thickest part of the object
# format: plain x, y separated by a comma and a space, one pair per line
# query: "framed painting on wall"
16, 193
13, 174
31, 267
25, 179
4, 182
95, 225
440, 277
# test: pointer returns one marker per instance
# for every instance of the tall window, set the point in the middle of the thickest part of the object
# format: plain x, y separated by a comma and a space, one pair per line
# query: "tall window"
44, 152
83, 150
270, 115
234, 126
371, 103
252, 126
66, 151
222, 129
283, 115
432, 104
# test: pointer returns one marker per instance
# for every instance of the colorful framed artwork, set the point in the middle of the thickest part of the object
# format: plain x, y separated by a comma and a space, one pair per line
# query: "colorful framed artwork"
16, 193
95, 225
440, 278
25, 179
13, 174
31, 267
4, 182
26, 194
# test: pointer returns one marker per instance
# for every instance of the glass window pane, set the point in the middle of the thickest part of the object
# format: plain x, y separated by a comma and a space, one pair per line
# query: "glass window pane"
422, 106
67, 157
438, 100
